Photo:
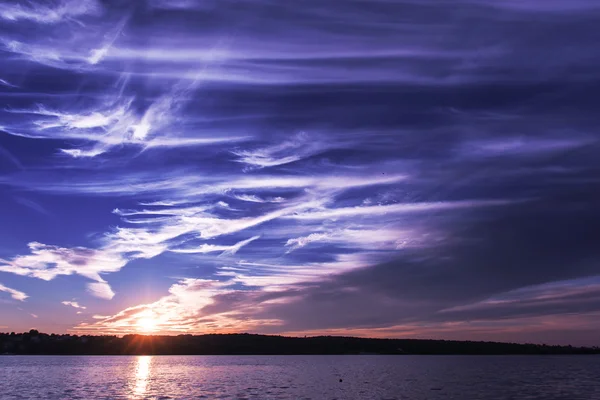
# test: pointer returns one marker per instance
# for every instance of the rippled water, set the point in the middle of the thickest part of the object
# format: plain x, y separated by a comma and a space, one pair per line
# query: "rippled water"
301, 377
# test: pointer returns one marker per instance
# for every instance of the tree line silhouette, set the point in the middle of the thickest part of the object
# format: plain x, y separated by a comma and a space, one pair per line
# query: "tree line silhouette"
34, 342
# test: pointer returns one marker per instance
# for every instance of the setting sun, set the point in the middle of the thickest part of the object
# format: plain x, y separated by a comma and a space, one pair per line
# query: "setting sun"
146, 324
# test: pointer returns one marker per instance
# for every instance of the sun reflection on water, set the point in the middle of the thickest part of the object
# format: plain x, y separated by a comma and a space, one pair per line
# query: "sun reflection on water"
142, 375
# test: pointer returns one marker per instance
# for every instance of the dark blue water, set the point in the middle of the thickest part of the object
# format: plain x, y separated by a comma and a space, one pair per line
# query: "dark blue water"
301, 377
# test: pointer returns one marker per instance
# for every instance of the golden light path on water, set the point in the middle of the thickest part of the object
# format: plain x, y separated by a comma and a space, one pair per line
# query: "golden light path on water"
142, 375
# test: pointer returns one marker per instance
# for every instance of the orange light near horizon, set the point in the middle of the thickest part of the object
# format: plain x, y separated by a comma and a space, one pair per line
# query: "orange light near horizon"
146, 322
146, 325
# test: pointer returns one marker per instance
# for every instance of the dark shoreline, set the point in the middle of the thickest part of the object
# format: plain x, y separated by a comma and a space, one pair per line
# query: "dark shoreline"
35, 343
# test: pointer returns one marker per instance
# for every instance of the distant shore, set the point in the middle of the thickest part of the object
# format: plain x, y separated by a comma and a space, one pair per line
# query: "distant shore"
36, 343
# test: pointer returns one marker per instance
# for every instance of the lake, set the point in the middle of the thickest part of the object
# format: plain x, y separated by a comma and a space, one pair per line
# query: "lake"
300, 377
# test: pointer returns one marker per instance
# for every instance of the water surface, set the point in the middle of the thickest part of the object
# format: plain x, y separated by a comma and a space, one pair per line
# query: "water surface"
301, 377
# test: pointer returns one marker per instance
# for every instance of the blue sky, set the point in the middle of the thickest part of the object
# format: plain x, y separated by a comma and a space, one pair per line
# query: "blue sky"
385, 168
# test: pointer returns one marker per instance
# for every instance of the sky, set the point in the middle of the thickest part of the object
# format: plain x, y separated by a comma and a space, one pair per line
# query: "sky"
381, 168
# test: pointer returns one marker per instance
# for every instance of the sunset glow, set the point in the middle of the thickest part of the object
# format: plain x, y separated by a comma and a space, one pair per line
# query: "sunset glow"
376, 167
146, 325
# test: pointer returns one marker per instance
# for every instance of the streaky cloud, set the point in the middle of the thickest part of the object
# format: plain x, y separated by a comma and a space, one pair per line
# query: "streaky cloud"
6, 83
10, 157
523, 146
385, 167
210, 248
300, 146
115, 122
183, 186
177, 4
255, 199
49, 12
536, 296
32, 205
101, 290
367, 238
178, 312
15, 294
47, 262
73, 304
398, 208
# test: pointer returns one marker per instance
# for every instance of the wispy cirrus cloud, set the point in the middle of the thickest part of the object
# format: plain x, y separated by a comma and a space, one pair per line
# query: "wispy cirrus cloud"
15, 294
68, 43
183, 226
255, 199
32, 205
176, 187
114, 123
547, 296
211, 248
167, 226
215, 306
523, 146
6, 83
47, 262
73, 304
177, 4
178, 312
442, 163
280, 275
366, 238
377, 210
298, 147
7, 155
49, 12
101, 290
